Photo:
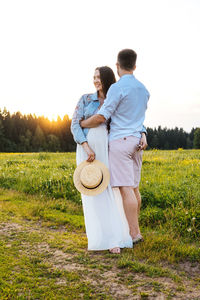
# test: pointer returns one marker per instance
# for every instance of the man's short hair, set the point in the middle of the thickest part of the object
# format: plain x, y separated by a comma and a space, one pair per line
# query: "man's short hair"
127, 59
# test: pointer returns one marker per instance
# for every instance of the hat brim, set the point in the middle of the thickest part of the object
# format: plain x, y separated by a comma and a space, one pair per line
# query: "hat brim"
98, 190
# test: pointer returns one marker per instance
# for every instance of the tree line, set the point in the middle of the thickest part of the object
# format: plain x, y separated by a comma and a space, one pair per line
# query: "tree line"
29, 133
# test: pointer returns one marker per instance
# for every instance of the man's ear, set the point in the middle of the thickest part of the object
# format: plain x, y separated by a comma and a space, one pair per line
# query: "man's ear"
134, 68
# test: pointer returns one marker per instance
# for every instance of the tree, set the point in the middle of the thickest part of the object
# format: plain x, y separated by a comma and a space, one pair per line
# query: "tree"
53, 143
1, 136
197, 138
27, 133
39, 140
189, 144
1, 129
25, 141
155, 142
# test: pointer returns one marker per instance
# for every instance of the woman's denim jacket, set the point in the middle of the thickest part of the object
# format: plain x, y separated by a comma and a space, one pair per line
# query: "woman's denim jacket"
85, 108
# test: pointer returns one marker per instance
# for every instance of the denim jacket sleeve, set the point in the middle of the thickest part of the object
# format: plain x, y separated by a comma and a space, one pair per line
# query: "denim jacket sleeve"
76, 129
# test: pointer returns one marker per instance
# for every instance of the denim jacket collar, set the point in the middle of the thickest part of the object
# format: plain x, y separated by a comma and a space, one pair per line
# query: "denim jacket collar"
94, 97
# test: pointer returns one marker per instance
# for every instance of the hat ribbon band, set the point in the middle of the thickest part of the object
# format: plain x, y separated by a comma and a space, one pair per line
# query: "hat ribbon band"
93, 187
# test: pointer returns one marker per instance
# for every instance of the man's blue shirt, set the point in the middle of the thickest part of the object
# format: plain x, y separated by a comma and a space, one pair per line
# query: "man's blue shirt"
126, 103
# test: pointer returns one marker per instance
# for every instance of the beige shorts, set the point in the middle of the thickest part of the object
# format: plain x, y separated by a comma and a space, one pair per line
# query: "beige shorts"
125, 162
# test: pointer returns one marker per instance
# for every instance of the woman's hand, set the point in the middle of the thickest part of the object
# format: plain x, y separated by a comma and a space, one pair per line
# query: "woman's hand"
143, 142
89, 151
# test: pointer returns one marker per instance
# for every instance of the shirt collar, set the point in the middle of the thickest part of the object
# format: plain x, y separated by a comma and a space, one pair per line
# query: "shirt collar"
127, 75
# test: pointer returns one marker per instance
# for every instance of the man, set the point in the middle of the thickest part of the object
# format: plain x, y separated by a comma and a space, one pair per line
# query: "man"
125, 103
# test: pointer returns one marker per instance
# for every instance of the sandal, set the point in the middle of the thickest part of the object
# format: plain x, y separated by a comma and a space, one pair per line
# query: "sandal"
138, 239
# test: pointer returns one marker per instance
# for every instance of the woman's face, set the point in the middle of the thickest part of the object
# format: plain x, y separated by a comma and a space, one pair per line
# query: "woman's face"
97, 81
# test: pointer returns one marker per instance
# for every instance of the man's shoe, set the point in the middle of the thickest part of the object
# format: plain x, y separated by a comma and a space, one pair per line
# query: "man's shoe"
138, 239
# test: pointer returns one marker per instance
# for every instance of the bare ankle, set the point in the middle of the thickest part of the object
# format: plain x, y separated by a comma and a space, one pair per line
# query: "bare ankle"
134, 233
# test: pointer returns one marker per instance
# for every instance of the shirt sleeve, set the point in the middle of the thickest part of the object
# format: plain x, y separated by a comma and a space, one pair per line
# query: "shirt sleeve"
113, 98
76, 129
143, 127
143, 130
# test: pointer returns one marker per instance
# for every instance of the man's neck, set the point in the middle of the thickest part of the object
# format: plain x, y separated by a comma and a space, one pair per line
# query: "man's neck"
124, 72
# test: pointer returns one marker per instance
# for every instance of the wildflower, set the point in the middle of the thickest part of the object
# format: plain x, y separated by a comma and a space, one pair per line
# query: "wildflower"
193, 219
189, 229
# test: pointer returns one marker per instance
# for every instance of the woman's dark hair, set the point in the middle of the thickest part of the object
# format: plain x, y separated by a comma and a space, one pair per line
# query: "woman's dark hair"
127, 59
107, 78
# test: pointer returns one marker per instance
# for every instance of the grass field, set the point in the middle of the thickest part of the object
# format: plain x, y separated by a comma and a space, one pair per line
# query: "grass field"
43, 247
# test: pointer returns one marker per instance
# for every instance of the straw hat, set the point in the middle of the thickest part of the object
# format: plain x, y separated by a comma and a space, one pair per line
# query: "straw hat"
91, 178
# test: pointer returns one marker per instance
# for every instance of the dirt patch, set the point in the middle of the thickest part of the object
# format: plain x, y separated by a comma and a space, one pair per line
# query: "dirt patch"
118, 283
191, 269
119, 290
8, 228
108, 281
59, 259
61, 282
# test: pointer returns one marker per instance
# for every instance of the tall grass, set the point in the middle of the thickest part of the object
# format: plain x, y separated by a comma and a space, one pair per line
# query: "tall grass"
169, 185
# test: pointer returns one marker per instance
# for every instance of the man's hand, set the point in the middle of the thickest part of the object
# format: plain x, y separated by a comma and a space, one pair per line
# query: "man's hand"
89, 151
82, 123
143, 142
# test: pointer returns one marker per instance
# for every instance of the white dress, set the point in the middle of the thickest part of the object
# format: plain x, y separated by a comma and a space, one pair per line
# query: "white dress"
105, 221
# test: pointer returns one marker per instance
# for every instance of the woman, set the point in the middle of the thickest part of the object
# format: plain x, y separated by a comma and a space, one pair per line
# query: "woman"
106, 225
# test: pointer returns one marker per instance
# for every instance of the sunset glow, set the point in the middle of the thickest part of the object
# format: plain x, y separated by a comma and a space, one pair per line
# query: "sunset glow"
50, 50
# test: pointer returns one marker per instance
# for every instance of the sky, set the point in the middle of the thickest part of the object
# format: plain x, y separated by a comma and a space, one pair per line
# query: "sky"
49, 50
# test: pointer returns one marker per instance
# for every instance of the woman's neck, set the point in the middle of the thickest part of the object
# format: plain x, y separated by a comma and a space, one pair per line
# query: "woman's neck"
101, 97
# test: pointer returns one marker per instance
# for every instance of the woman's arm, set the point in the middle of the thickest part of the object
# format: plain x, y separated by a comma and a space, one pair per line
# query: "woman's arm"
78, 115
89, 151
77, 131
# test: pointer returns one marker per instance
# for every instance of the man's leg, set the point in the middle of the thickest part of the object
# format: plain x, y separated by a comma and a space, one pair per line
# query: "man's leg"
123, 169
138, 197
130, 204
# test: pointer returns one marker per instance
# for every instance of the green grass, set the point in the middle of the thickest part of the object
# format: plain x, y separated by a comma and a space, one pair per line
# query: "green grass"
149, 270
169, 186
43, 247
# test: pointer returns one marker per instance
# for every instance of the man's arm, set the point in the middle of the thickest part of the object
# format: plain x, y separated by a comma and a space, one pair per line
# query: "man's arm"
113, 98
93, 121
110, 103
